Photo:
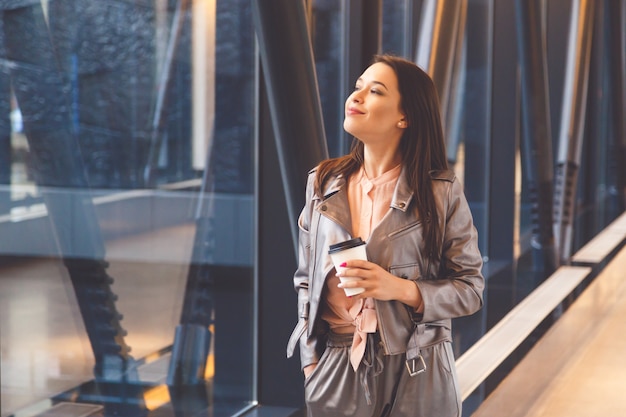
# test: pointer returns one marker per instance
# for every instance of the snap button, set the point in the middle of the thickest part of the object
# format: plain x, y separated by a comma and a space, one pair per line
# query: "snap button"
401, 205
323, 208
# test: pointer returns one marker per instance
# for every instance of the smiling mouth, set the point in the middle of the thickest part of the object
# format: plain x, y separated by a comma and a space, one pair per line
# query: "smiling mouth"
353, 112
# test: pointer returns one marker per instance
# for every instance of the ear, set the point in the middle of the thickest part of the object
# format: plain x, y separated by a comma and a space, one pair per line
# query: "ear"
402, 124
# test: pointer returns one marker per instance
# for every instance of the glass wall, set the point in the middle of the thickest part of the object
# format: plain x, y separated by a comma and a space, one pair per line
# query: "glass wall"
126, 206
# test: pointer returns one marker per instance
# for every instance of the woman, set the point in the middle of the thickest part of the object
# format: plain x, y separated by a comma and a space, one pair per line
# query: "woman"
386, 351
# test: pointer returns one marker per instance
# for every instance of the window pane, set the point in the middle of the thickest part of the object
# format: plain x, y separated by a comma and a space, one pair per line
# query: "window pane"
126, 205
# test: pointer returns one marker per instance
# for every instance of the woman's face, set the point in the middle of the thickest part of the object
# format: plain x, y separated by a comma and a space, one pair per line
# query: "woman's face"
373, 111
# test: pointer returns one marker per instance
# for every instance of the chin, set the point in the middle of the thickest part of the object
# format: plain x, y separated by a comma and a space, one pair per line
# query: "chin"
350, 128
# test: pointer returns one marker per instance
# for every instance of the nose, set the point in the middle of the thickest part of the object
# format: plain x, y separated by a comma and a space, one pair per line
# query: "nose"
356, 97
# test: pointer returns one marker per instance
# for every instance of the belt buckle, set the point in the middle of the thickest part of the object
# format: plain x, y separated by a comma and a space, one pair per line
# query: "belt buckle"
416, 366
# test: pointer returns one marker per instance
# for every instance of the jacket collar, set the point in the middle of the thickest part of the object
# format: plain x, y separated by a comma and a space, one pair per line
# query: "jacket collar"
403, 194
335, 203
334, 185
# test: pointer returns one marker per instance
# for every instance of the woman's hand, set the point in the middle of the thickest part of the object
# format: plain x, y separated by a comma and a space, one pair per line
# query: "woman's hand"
308, 370
379, 284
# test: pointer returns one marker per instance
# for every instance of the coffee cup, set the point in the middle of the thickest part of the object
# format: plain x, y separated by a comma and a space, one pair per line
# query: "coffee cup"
346, 251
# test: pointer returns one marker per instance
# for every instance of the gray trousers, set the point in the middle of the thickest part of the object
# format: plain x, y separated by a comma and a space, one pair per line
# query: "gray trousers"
334, 389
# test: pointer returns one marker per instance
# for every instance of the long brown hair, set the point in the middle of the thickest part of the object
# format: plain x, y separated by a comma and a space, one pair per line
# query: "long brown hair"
422, 146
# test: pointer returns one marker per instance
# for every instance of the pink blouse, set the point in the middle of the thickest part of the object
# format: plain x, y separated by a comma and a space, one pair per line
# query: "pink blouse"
369, 200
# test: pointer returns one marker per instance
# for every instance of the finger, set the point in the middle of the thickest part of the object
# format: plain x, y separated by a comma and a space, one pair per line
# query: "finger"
353, 282
352, 273
356, 263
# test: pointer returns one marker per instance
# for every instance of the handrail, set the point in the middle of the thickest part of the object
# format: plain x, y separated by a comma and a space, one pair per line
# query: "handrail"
479, 361
598, 248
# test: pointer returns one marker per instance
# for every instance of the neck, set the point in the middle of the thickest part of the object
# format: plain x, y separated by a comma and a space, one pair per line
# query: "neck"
377, 163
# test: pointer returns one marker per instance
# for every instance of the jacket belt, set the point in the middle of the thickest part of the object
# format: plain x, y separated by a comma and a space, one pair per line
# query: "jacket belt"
420, 338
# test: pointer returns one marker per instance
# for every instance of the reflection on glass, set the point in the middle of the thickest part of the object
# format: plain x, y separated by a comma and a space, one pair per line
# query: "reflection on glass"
327, 30
120, 251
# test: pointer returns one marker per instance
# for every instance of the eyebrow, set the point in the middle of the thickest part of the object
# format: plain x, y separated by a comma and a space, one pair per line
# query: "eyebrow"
375, 82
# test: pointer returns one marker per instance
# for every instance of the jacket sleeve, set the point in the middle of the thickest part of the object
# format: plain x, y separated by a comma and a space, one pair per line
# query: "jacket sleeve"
457, 290
308, 345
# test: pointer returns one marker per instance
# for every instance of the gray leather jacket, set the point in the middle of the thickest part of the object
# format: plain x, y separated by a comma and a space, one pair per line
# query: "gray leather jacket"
450, 288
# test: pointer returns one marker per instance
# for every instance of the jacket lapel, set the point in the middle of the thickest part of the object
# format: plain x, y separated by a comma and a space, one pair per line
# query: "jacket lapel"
335, 205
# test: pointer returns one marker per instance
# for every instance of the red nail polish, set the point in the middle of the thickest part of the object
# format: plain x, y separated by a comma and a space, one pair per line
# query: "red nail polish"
343, 264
